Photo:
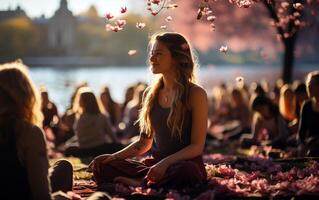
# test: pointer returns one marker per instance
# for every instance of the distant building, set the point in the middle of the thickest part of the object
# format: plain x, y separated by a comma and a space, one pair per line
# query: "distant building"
62, 29
8, 14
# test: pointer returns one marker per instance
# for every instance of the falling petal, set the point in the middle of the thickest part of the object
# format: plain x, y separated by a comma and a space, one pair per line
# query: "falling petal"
239, 79
169, 18
163, 27
132, 52
223, 49
140, 25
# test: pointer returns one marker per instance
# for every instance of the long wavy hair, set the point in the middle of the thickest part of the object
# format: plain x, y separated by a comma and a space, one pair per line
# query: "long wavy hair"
86, 102
185, 75
20, 97
110, 106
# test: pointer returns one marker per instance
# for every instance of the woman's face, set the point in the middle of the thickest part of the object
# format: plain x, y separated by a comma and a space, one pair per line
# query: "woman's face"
161, 59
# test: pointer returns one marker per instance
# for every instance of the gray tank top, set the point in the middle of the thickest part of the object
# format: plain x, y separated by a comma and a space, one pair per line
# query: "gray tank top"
164, 143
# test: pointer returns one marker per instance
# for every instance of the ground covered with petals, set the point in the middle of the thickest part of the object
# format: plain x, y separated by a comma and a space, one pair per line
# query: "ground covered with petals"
229, 177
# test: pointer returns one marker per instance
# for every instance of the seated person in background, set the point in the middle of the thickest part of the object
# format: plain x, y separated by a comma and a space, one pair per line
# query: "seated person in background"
268, 126
93, 130
240, 112
49, 110
300, 93
287, 103
111, 107
24, 162
308, 134
67, 120
130, 126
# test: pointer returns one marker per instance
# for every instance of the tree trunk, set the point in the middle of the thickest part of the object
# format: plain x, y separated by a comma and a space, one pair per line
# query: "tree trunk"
288, 59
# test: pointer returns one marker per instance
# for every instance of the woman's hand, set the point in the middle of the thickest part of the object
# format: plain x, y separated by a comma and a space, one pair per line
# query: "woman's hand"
96, 164
157, 171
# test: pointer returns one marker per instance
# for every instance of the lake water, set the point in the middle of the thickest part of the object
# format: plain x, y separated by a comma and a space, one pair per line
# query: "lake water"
60, 81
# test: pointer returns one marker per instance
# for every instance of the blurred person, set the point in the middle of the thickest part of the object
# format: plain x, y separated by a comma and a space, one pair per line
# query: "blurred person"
308, 133
300, 90
49, 110
67, 119
110, 106
268, 126
275, 94
287, 103
240, 112
24, 167
130, 125
93, 130
129, 93
173, 122
257, 89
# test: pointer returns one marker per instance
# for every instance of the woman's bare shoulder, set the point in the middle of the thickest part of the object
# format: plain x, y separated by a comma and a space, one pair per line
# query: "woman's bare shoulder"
197, 90
198, 95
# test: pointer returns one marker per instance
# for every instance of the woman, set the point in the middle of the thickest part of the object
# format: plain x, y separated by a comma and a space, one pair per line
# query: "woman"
308, 133
287, 103
131, 114
173, 122
110, 106
268, 126
93, 130
24, 162
241, 113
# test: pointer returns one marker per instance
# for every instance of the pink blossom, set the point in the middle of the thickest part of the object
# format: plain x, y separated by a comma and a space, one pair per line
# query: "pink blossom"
123, 9
169, 18
298, 6
116, 28
121, 22
108, 16
211, 18
239, 79
140, 25
284, 5
163, 27
223, 49
296, 14
108, 27
155, 1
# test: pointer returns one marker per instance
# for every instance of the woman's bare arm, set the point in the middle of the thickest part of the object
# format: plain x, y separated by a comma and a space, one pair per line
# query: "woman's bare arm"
138, 147
199, 107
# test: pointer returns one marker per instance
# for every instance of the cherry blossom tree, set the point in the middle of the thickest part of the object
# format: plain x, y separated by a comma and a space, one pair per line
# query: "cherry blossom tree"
288, 17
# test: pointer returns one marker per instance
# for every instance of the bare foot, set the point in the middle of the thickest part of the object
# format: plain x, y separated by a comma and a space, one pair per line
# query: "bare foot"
128, 181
